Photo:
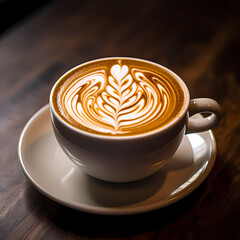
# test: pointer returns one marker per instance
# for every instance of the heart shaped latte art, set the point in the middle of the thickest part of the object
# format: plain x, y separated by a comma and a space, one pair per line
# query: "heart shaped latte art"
118, 102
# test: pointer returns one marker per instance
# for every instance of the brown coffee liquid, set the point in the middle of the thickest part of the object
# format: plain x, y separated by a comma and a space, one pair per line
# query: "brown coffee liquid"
122, 97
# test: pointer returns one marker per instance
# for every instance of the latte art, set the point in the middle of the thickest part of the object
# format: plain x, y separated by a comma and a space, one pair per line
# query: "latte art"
119, 99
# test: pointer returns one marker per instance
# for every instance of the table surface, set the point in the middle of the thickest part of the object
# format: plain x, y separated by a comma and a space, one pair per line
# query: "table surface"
199, 42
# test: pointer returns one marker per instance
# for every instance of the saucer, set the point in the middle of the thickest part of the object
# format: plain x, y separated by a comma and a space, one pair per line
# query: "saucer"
48, 169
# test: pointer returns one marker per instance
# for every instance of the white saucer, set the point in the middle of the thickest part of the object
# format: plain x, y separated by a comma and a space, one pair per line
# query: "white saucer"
49, 170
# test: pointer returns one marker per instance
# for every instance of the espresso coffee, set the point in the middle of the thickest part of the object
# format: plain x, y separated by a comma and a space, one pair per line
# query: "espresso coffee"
118, 97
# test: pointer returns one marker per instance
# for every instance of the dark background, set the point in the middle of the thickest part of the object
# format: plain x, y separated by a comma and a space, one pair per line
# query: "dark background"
13, 11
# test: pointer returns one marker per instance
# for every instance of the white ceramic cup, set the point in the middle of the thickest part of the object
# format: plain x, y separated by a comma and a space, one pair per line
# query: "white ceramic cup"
130, 158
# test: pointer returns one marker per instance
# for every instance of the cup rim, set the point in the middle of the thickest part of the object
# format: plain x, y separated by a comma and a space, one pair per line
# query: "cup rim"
177, 119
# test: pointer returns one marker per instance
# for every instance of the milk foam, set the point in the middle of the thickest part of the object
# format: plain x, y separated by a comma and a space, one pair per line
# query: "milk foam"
121, 100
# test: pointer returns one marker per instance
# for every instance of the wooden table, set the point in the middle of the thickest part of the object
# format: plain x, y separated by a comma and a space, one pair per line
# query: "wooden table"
199, 42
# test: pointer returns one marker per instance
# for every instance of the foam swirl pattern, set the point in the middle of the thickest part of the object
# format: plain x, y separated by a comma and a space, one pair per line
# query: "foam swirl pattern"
121, 100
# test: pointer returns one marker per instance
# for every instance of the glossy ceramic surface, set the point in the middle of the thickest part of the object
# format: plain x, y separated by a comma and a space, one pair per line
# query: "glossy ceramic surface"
49, 170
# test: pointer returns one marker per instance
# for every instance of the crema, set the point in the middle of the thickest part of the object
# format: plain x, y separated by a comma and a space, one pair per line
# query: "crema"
118, 97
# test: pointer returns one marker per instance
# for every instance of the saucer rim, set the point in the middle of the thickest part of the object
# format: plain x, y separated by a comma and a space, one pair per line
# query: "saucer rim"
125, 210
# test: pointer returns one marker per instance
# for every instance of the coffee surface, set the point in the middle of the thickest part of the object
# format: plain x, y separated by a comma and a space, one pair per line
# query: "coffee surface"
121, 97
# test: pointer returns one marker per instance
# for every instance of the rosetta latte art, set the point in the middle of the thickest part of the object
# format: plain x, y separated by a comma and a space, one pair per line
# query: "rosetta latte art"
118, 102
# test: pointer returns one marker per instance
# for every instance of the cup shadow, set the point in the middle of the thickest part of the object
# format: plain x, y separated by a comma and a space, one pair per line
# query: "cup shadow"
180, 159
122, 194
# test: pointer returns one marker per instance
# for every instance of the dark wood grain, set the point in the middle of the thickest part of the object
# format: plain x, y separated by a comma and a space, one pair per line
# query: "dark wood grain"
199, 42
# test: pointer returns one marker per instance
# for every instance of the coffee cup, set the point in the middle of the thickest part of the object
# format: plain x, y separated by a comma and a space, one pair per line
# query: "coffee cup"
121, 119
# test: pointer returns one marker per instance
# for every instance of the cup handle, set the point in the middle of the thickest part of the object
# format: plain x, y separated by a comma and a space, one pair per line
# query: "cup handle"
203, 105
